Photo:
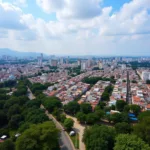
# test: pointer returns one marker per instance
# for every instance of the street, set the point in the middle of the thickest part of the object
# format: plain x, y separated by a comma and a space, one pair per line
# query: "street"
64, 139
80, 130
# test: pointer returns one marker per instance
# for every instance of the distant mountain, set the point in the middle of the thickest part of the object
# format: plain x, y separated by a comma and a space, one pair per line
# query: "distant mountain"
13, 53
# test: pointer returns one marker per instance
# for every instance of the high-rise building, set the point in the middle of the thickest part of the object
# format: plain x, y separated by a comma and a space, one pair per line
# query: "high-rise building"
79, 62
61, 60
145, 75
40, 60
53, 62
84, 65
100, 65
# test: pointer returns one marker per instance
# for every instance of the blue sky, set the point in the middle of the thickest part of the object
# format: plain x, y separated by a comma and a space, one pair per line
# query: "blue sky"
73, 27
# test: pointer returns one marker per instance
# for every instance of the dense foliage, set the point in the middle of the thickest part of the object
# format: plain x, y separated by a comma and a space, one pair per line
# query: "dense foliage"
39, 137
99, 138
130, 142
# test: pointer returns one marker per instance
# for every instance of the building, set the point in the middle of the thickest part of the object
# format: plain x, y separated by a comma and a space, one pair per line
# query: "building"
100, 65
79, 62
40, 60
83, 65
145, 75
62, 61
53, 62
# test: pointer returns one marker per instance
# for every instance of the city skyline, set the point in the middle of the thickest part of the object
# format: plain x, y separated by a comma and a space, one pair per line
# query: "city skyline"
76, 27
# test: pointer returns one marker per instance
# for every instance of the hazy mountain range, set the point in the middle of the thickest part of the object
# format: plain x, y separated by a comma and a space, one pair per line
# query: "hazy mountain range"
13, 53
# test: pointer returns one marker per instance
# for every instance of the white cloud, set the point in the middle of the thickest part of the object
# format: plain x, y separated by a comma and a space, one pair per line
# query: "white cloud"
68, 9
77, 30
10, 17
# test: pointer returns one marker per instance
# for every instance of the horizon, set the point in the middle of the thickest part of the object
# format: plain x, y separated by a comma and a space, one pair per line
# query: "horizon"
76, 27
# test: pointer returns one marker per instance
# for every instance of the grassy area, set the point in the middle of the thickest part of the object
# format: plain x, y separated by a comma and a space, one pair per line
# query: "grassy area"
75, 140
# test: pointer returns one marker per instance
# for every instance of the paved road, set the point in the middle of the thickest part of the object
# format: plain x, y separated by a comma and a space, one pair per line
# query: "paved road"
30, 95
64, 139
80, 130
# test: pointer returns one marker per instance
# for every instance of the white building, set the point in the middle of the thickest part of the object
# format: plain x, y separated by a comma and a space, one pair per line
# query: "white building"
83, 65
100, 65
145, 75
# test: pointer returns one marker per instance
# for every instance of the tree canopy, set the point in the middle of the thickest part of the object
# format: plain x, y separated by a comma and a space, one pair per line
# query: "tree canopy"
99, 138
130, 142
39, 137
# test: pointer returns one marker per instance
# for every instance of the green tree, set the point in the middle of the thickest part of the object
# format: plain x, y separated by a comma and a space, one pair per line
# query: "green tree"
81, 117
13, 110
92, 118
100, 113
123, 128
99, 138
7, 145
72, 107
15, 121
142, 129
135, 108
144, 114
3, 119
39, 137
62, 117
68, 123
120, 104
130, 142
105, 96
52, 102
86, 108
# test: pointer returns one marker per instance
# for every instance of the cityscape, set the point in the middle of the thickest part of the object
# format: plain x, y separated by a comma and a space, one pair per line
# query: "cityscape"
74, 75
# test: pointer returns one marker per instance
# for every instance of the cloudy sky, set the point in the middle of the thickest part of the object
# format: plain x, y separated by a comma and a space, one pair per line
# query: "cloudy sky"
76, 27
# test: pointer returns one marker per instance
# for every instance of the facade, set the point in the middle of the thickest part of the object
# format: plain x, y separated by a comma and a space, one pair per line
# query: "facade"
145, 75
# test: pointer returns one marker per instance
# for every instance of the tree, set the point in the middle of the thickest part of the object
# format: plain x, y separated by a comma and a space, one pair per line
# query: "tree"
68, 123
81, 117
100, 113
99, 138
62, 118
144, 114
92, 118
7, 145
123, 127
15, 121
34, 115
52, 102
126, 108
135, 108
72, 107
120, 104
86, 108
105, 96
39, 137
130, 142
101, 105
119, 117
13, 110
142, 129
3, 119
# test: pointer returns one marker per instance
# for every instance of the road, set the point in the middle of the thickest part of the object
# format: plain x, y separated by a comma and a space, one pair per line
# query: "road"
30, 95
80, 130
64, 139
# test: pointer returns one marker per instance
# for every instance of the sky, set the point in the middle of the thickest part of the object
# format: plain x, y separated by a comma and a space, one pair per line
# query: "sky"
76, 27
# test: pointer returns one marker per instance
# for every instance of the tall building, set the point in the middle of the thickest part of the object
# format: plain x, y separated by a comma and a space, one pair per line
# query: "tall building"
84, 65
40, 60
53, 62
145, 75
123, 66
61, 60
79, 62
100, 65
